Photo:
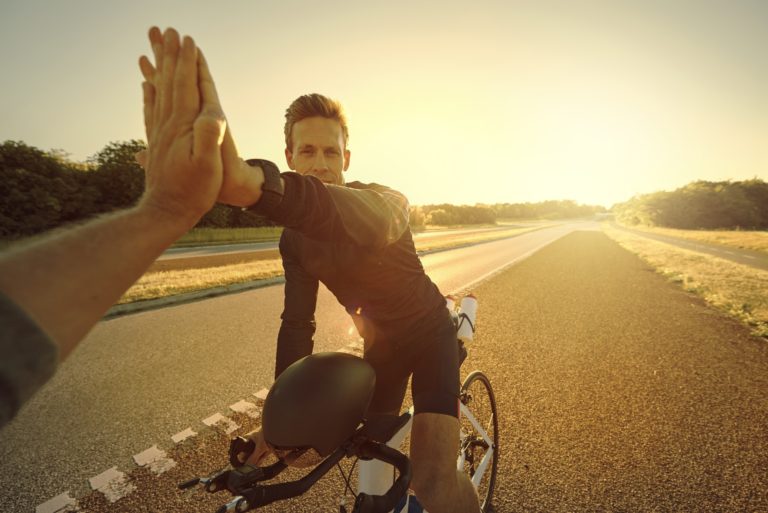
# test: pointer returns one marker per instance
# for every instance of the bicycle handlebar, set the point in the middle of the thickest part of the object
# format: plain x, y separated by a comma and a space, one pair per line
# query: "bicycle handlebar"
242, 482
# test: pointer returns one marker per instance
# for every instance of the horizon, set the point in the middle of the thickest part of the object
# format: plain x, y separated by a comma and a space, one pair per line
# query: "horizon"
506, 103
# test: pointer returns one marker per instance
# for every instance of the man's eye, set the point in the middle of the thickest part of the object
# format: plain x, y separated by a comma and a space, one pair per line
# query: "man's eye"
332, 153
306, 152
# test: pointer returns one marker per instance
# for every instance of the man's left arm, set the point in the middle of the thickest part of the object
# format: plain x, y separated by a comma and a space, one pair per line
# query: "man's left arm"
371, 215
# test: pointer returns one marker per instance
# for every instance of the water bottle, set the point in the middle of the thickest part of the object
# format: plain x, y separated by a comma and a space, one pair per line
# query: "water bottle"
467, 316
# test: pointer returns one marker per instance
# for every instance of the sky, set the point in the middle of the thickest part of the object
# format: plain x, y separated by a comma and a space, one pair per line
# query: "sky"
448, 102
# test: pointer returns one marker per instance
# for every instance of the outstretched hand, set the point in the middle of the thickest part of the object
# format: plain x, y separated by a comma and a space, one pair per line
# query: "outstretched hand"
240, 183
185, 129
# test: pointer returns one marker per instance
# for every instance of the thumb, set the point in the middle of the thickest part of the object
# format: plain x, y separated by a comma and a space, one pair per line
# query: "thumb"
208, 133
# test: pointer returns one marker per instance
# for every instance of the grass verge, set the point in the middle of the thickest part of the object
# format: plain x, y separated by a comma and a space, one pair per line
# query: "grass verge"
736, 289
155, 285
754, 240
213, 236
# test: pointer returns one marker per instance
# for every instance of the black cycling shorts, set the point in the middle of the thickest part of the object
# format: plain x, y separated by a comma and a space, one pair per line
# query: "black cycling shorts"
430, 353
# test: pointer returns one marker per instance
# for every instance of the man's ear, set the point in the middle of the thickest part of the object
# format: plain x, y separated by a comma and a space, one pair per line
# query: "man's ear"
347, 155
289, 159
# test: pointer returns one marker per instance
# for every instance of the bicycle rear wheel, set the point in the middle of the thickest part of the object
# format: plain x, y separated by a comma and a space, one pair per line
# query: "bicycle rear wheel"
479, 449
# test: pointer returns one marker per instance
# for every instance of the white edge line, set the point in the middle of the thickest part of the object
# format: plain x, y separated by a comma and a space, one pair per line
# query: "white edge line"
502, 267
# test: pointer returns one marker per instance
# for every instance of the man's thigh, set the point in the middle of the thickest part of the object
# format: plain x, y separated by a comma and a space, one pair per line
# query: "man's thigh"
388, 395
436, 373
391, 382
431, 356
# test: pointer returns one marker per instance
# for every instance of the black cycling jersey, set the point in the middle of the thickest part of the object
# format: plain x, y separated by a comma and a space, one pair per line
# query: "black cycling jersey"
355, 239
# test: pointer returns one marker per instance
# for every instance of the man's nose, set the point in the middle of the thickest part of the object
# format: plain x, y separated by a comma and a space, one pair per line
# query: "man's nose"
320, 163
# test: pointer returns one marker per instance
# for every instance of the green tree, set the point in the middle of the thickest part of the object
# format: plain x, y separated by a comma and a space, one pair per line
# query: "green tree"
116, 176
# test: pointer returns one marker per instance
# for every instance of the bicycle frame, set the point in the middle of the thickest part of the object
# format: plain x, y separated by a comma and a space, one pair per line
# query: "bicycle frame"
376, 477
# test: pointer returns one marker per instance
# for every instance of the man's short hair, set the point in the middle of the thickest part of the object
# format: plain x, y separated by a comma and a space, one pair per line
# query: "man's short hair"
310, 106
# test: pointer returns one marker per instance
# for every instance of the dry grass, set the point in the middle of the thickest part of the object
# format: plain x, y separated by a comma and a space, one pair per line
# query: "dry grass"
754, 240
167, 283
739, 290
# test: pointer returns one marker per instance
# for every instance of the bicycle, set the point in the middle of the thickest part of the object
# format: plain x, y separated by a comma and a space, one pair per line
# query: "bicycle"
330, 424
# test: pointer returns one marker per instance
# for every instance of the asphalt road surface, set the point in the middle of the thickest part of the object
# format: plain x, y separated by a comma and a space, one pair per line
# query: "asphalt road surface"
138, 380
617, 390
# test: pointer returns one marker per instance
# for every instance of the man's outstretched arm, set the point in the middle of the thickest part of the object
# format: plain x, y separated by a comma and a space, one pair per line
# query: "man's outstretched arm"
66, 281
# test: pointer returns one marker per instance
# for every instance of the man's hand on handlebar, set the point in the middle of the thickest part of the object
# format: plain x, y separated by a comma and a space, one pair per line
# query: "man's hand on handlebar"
262, 450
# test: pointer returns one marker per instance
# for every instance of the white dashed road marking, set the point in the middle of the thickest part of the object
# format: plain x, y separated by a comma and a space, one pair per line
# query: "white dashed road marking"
219, 420
59, 504
262, 394
157, 460
113, 484
183, 435
246, 408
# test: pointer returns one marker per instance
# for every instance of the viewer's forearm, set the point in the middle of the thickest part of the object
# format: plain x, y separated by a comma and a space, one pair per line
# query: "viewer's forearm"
68, 280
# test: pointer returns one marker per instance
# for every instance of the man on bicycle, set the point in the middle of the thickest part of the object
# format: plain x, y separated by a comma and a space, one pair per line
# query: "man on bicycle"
355, 238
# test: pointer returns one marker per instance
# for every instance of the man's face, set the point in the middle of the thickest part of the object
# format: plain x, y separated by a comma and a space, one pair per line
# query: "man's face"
318, 150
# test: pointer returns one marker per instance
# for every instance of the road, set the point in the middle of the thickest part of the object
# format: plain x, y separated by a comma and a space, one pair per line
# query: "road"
617, 391
137, 381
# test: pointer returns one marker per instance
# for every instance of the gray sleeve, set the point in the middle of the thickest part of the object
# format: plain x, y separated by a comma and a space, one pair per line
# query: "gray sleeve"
28, 358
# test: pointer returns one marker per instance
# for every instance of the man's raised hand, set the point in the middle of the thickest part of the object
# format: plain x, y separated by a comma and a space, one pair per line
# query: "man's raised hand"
241, 183
185, 129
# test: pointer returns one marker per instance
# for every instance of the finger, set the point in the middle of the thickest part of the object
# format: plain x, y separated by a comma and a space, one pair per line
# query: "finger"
208, 95
141, 158
147, 69
165, 85
211, 118
255, 457
186, 99
149, 109
156, 42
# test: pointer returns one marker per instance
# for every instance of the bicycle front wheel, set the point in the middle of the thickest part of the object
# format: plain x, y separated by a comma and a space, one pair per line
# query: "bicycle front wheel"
479, 449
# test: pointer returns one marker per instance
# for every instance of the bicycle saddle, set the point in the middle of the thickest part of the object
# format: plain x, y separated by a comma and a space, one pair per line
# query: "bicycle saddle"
318, 402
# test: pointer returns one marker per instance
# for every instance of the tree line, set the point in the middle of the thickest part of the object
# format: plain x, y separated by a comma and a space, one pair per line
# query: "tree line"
42, 190
701, 205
